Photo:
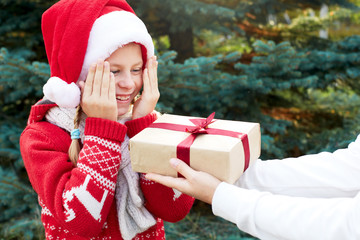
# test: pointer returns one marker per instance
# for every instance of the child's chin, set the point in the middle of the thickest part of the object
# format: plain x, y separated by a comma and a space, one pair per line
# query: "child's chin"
122, 111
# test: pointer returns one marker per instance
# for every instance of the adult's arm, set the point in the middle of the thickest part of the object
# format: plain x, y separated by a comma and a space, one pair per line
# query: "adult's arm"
318, 175
269, 216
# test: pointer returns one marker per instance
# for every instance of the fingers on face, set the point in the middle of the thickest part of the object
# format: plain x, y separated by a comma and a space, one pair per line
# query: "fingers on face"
153, 72
98, 77
112, 92
105, 83
150, 74
146, 76
100, 81
88, 86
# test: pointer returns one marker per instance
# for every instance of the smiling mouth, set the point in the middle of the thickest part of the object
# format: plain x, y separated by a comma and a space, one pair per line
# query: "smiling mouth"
123, 98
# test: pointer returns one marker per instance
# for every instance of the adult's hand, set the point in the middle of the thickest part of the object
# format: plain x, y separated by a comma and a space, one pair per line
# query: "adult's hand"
198, 184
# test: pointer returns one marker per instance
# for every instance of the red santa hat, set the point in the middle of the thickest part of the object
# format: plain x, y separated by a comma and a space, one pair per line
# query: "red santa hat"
79, 32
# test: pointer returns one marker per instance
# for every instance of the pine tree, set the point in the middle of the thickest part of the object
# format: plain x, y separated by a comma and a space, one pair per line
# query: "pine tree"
292, 66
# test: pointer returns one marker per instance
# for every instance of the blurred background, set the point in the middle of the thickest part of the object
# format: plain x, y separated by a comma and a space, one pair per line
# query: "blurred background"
293, 66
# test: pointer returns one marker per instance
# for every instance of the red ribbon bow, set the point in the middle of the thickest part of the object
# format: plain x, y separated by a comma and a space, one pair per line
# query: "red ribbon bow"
202, 127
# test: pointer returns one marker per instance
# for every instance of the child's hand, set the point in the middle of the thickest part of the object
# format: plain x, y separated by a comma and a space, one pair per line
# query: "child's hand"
98, 92
150, 94
198, 184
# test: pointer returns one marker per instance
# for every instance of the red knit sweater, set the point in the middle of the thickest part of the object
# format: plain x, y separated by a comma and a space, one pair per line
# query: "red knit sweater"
78, 202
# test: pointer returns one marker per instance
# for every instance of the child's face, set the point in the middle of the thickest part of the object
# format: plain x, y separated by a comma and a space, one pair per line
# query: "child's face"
126, 64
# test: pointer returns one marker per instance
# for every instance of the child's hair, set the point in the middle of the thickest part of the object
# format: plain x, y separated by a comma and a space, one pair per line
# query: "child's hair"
74, 148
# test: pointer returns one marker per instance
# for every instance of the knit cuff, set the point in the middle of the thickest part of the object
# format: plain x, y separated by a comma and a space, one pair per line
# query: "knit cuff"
137, 125
105, 129
38, 112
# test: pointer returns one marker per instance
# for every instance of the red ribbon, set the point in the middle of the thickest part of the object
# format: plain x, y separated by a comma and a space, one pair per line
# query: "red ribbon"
202, 127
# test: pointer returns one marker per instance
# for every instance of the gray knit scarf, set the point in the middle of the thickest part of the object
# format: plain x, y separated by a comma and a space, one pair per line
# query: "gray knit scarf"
133, 217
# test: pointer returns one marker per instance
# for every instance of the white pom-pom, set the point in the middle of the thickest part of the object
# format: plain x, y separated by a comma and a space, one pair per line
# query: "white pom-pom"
61, 93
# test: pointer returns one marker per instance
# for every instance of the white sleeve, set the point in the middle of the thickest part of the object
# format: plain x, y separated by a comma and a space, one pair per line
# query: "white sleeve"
275, 217
319, 175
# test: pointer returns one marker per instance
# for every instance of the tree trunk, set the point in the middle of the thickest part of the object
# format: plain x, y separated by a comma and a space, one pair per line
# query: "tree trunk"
182, 43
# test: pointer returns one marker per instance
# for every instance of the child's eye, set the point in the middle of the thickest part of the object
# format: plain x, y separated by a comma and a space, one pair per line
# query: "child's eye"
115, 72
136, 70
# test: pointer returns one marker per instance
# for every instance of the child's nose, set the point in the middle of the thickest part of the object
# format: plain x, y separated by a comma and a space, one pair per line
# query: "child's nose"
125, 80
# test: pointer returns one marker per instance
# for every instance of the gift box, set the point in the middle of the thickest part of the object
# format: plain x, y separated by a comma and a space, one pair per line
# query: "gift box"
222, 148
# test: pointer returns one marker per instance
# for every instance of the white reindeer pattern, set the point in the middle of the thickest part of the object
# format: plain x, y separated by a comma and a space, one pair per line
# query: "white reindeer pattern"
93, 206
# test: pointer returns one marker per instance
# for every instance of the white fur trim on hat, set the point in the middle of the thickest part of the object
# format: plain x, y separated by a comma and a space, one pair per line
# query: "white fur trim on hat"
61, 93
111, 31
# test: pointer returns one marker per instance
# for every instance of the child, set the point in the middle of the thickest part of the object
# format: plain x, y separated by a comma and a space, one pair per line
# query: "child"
88, 190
